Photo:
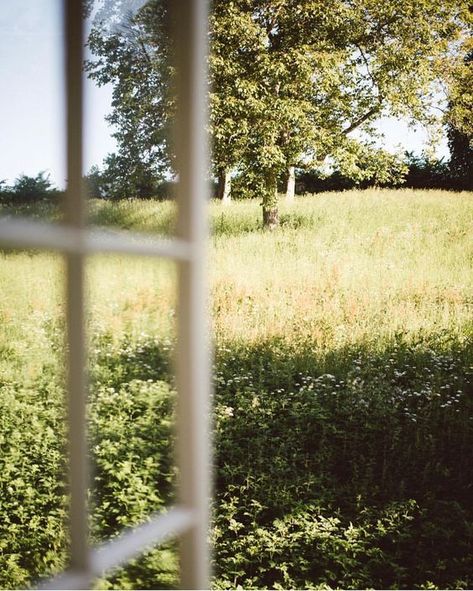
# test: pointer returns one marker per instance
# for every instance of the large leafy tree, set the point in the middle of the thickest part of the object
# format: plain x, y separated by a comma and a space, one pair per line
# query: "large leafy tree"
233, 88
290, 79
328, 68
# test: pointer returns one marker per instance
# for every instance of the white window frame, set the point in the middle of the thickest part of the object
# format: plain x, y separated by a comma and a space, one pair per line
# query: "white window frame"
189, 519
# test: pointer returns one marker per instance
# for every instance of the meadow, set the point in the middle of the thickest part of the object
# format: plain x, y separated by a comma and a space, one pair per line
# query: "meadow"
343, 408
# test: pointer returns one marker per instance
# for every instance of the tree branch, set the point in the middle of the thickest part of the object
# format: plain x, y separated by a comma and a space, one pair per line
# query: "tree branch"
362, 119
145, 52
367, 66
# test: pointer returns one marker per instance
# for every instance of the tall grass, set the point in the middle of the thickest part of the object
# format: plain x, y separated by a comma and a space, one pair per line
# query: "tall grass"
342, 268
343, 376
348, 267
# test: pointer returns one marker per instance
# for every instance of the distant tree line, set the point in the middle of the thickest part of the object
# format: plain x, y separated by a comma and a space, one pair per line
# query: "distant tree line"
380, 169
414, 171
29, 189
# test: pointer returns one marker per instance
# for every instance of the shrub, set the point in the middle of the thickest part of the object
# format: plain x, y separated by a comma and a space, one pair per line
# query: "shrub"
428, 173
28, 189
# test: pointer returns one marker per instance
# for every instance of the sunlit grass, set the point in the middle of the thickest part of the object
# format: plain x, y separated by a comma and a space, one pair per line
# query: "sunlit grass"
342, 268
343, 378
355, 266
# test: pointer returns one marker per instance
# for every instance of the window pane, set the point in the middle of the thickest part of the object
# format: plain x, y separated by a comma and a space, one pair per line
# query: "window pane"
131, 403
31, 108
129, 112
33, 462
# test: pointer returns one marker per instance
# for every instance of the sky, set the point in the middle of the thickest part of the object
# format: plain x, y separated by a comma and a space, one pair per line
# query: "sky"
32, 98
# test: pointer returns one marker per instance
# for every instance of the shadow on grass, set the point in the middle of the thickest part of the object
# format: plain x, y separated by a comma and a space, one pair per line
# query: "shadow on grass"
350, 469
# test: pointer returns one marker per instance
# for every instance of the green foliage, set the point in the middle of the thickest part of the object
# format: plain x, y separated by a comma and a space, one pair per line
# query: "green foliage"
131, 437
460, 94
130, 440
342, 409
332, 470
28, 189
427, 173
117, 181
461, 160
459, 123
32, 491
94, 184
133, 473
248, 185
123, 179
133, 54
367, 166
290, 80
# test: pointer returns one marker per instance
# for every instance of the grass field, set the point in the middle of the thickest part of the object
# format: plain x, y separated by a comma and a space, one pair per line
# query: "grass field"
343, 406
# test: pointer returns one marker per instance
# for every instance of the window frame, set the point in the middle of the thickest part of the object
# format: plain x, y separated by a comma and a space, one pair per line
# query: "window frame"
189, 518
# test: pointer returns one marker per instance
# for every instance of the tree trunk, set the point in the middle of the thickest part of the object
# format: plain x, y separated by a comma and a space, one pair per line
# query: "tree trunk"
224, 187
270, 217
270, 201
291, 184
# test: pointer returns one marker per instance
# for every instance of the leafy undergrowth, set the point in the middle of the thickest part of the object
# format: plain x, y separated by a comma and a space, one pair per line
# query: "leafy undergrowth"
350, 469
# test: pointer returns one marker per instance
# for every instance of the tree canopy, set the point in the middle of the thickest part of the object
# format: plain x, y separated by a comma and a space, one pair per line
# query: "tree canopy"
290, 80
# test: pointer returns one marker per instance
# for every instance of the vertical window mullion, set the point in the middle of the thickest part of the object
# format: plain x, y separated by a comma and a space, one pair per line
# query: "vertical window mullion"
193, 363
75, 214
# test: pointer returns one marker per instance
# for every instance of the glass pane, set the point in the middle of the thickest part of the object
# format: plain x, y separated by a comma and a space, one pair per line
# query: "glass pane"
33, 499
131, 402
129, 106
32, 171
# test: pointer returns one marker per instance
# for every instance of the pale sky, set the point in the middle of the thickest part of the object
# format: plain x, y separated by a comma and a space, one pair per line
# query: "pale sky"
32, 94
32, 98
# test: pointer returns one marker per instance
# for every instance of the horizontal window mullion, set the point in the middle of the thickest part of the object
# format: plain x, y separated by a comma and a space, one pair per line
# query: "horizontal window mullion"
24, 233
133, 542
138, 245
128, 545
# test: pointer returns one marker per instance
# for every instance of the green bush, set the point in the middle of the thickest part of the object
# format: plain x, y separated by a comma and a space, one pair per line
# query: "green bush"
28, 189
350, 469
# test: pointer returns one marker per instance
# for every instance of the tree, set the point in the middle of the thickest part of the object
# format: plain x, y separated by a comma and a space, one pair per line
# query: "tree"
368, 166
29, 189
232, 91
291, 79
328, 69
461, 158
460, 124
133, 52
427, 172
